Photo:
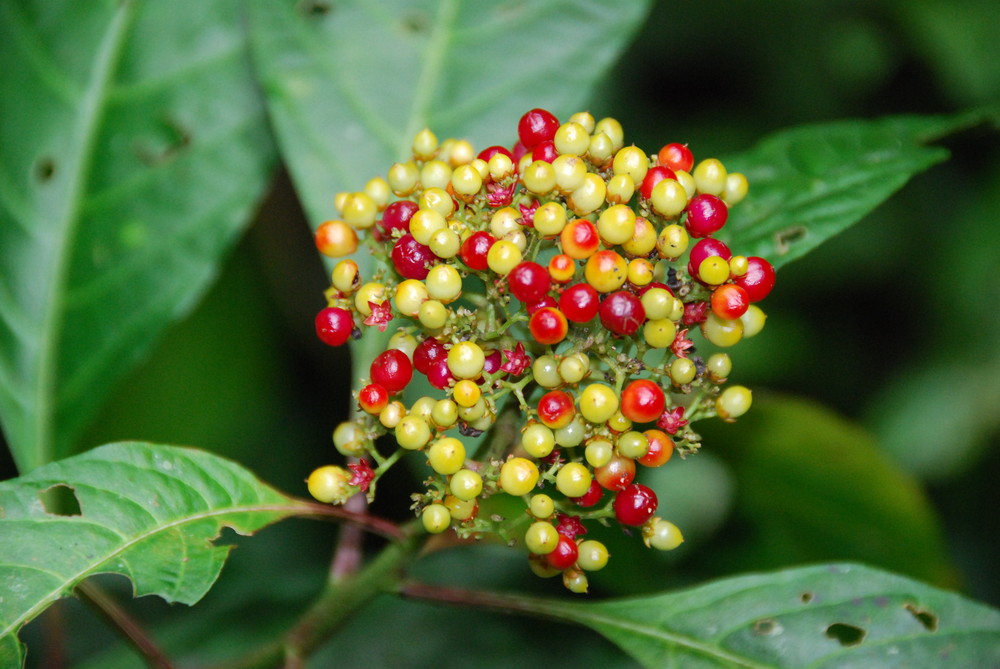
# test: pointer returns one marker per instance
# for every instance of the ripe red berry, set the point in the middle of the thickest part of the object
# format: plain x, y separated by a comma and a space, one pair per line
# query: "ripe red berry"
411, 258
730, 301
564, 555
617, 474
654, 176
706, 214
556, 409
706, 248
492, 362
591, 497
548, 326
545, 151
334, 326
536, 126
373, 398
475, 249
391, 369
428, 352
580, 302
622, 313
661, 447
547, 302
758, 280
676, 157
491, 151
397, 216
440, 374
643, 401
635, 505
529, 281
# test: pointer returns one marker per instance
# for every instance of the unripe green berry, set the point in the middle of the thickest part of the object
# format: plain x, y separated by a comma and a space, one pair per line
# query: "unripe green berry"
753, 320
541, 506
575, 580
545, 369
682, 371
412, 433
599, 452
613, 129
436, 518
661, 534
589, 196
592, 556
570, 171
632, 444
668, 198
425, 145
466, 180
445, 413
733, 402
571, 434
631, 161
466, 484
571, 138
710, 177
349, 439
573, 479
718, 366
446, 456
435, 174
537, 440
330, 484
403, 178
539, 177
541, 537
722, 332
518, 476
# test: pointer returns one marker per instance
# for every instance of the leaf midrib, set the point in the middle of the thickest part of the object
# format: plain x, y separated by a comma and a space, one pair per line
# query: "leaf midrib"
92, 108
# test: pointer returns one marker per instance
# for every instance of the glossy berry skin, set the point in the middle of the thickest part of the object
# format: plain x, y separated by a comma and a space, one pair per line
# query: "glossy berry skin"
411, 258
428, 352
564, 554
491, 151
545, 151
676, 157
758, 280
654, 176
397, 217
580, 302
547, 302
529, 281
373, 398
661, 447
475, 250
439, 375
556, 409
705, 249
635, 505
536, 126
622, 313
706, 214
592, 497
642, 401
617, 474
730, 301
548, 326
334, 326
392, 370
579, 239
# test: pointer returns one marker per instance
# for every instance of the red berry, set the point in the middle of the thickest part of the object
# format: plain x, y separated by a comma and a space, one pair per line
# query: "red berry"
643, 401
591, 497
676, 157
759, 279
547, 302
391, 369
529, 281
492, 362
706, 214
617, 474
564, 555
397, 216
475, 249
519, 151
635, 505
661, 447
428, 352
654, 176
706, 248
536, 126
440, 374
545, 151
579, 239
622, 313
491, 151
730, 301
334, 326
580, 302
411, 258
556, 409
548, 326
373, 398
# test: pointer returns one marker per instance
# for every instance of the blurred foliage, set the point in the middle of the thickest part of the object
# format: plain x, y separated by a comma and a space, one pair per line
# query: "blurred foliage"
892, 324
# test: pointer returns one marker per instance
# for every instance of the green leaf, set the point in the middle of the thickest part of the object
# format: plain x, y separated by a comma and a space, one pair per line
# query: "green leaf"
812, 486
839, 615
145, 511
809, 183
135, 148
349, 84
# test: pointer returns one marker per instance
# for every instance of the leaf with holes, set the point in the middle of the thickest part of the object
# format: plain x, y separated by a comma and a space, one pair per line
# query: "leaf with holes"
810, 183
841, 615
145, 511
134, 149
348, 84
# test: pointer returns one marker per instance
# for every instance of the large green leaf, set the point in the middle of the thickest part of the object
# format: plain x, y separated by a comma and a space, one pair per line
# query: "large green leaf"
145, 511
809, 183
134, 150
811, 486
839, 615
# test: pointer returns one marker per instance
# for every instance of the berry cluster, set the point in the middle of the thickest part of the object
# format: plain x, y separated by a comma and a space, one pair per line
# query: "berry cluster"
549, 290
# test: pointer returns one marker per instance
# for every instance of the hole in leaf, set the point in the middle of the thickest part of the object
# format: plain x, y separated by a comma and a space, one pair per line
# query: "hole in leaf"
173, 139
314, 8
767, 627
416, 23
923, 616
847, 635
60, 500
785, 238
806, 597
45, 169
